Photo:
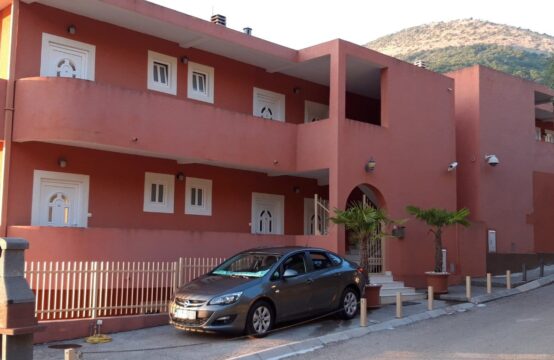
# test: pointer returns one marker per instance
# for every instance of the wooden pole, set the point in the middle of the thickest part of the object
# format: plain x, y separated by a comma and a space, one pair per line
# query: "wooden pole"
363, 312
489, 283
398, 305
508, 279
468, 287
70, 354
430, 297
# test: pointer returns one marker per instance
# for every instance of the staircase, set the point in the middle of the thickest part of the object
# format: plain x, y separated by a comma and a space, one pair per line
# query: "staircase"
389, 288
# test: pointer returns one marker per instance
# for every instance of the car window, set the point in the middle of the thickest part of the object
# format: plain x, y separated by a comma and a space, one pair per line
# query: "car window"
296, 262
320, 260
336, 260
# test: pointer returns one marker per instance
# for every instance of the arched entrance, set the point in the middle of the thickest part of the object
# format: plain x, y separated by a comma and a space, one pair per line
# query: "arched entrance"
370, 196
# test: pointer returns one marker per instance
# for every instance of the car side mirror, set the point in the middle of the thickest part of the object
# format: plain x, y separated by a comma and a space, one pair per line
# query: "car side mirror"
290, 273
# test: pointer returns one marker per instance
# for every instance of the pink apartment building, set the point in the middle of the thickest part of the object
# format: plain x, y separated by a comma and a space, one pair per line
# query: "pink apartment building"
135, 132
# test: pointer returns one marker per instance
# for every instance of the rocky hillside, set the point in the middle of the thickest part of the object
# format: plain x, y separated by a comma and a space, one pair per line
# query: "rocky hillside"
447, 46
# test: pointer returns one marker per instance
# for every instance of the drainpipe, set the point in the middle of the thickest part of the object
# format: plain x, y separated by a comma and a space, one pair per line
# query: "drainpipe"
8, 118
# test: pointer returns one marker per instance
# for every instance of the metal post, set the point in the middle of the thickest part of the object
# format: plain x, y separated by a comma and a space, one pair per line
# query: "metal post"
94, 289
430, 298
180, 273
508, 279
363, 312
468, 288
443, 261
316, 224
541, 268
70, 354
524, 273
398, 305
489, 283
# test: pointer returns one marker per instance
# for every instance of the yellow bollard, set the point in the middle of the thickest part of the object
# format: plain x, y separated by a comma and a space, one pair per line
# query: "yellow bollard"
468, 288
430, 297
508, 279
363, 312
398, 305
489, 283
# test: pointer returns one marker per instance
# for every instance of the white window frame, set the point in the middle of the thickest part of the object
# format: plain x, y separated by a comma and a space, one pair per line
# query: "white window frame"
166, 206
279, 200
206, 186
549, 136
279, 100
83, 180
208, 95
171, 62
88, 51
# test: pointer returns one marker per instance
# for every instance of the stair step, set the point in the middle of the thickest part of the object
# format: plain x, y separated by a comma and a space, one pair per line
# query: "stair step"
381, 279
392, 292
391, 299
392, 285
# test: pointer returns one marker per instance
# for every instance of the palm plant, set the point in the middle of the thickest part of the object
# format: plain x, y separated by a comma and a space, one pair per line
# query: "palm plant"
438, 219
364, 222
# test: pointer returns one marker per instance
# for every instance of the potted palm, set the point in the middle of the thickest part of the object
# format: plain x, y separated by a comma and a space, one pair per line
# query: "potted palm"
364, 223
438, 219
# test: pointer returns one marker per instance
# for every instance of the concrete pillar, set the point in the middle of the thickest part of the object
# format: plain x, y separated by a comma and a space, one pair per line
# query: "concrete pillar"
17, 302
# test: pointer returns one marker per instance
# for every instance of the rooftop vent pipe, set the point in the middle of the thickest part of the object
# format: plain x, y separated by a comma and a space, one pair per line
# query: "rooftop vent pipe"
219, 19
247, 30
420, 63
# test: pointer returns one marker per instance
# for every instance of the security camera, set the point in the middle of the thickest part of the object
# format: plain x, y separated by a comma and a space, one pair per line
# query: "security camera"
452, 166
492, 160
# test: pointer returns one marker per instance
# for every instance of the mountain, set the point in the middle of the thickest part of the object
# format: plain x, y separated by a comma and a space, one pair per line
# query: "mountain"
448, 46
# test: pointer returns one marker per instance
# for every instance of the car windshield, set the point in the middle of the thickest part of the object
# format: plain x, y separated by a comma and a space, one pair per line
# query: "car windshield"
248, 264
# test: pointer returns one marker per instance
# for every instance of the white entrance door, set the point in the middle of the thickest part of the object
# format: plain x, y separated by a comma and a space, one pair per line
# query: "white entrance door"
63, 57
59, 199
267, 213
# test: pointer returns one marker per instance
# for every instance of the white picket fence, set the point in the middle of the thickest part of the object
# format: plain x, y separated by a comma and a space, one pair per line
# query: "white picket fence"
79, 289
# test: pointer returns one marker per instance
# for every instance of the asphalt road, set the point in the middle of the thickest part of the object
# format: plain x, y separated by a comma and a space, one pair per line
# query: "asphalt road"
520, 327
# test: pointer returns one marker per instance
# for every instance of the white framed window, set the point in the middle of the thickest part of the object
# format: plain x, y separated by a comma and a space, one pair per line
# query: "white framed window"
314, 111
60, 199
268, 214
269, 104
200, 82
538, 133
549, 136
61, 57
198, 197
162, 73
159, 190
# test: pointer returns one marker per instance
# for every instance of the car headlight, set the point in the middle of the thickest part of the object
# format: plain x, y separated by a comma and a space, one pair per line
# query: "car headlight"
225, 299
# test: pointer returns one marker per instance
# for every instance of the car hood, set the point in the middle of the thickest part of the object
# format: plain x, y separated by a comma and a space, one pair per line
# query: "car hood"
208, 286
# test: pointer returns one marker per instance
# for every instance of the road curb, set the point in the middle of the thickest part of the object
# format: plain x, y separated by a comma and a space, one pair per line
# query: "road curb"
312, 344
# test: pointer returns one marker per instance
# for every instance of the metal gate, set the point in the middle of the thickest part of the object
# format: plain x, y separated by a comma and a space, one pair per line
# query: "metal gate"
376, 249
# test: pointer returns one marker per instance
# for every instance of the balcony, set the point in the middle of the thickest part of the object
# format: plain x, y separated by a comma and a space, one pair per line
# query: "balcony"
100, 116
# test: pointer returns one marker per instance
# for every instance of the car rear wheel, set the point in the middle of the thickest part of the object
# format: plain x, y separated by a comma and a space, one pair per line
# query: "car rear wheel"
260, 319
349, 303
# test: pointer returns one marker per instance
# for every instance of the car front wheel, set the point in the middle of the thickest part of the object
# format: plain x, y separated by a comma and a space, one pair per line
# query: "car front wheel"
260, 319
349, 304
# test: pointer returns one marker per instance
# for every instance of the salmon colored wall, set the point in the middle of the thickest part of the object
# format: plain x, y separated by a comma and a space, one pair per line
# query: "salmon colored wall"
117, 188
543, 203
121, 60
5, 43
3, 89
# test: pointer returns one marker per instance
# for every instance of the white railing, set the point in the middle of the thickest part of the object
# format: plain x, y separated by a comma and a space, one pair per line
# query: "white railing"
321, 216
77, 290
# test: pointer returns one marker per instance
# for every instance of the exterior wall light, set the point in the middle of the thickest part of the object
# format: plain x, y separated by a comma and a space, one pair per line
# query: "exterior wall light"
71, 29
452, 166
184, 60
62, 162
180, 176
370, 165
492, 160
296, 189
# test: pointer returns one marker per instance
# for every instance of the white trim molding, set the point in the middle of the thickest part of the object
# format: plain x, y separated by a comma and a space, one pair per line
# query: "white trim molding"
162, 73
159, 193
200, 84
198, 196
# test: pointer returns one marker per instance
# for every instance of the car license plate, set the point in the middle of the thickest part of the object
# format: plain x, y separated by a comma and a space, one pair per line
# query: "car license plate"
185, 314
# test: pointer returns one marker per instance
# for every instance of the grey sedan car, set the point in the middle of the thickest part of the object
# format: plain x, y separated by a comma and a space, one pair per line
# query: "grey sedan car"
255, 289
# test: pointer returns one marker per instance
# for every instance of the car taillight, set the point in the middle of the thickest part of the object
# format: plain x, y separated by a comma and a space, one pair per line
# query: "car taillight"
360, 269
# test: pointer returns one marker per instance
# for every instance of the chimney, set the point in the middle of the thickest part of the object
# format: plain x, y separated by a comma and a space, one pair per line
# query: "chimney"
219, 19
420, 63
247, 30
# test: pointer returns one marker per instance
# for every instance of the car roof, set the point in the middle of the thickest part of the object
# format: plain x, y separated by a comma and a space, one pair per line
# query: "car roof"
283, 250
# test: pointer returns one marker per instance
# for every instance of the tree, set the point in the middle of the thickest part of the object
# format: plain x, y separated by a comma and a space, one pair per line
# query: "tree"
437, 219
365, 224
548, 76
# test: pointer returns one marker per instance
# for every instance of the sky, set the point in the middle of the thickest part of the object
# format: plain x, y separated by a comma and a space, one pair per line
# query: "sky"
302, 23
